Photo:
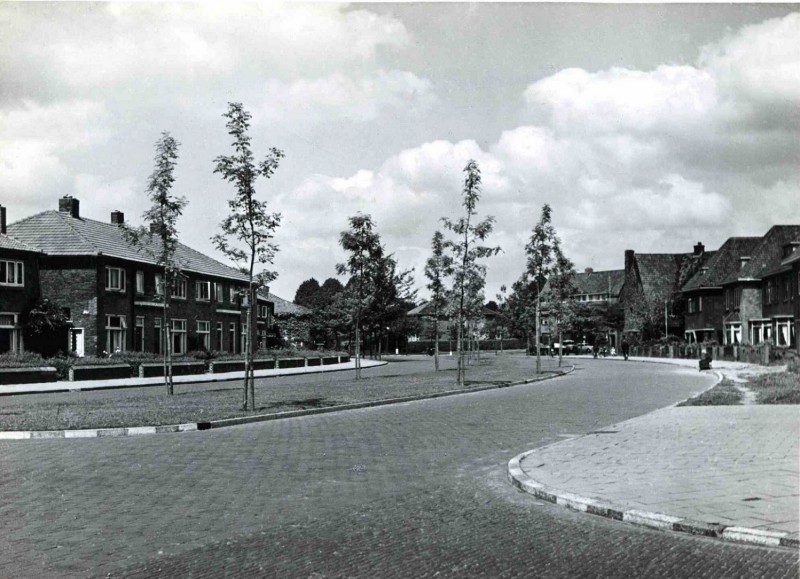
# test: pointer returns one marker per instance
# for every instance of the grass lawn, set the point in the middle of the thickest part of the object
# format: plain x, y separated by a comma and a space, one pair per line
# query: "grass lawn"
723, 394
783, 388
118, 408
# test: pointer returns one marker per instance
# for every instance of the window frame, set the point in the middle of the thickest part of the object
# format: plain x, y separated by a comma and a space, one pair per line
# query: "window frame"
121, 282
198, 285
139, 281
17, 268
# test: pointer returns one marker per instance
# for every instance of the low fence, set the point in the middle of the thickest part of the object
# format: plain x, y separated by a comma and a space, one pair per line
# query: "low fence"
763, 354
426, 346
31, 375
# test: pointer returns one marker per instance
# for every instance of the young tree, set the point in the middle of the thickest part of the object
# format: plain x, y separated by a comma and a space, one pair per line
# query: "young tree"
541, 258
160, 240
468, 274
390, 299
363, 244
562, 288
46, 327
438, 267
248, 230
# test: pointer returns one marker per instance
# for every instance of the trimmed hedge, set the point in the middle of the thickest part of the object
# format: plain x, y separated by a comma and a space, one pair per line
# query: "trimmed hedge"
102, 372
29, 375
152, 370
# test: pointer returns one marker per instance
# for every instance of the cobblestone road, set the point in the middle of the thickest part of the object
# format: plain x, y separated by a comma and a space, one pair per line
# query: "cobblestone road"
412, 490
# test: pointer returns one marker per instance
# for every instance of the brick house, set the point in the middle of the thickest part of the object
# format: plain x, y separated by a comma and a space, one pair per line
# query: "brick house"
793, 262
655, 279
114, 291
291, 321
599, 290
19, 286
703, 318
754, 309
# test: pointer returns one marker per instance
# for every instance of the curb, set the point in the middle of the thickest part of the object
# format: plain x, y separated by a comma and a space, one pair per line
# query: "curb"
226, 422
518, 478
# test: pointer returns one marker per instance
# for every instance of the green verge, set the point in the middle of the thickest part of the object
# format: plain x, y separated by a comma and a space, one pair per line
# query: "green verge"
205, 402
782, 388
723, 394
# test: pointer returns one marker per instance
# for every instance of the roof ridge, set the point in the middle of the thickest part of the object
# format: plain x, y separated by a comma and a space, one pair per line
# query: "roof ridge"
64, 220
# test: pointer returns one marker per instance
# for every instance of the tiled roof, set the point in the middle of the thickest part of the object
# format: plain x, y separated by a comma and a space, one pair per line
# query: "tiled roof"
424, 309
768, 254
659, 271
58, 233
723, 263
287, 308
7, 242
600, 282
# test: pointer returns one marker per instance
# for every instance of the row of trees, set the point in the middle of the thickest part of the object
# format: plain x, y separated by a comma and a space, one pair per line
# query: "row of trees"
245, 236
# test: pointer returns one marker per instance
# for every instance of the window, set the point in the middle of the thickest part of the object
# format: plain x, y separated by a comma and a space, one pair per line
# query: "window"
787, 288
783, 332
12, 273
179, 336
10, 337
115, 334
219, 336
204, 335
218, 295
700, 303
159, 284
138, 336
733, 333
232, 337
233, 295
157, 343
115, 279
139, 282
263, 311
202, 291
179, 288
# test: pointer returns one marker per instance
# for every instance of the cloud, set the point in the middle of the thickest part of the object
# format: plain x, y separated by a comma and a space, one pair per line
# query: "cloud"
338, 96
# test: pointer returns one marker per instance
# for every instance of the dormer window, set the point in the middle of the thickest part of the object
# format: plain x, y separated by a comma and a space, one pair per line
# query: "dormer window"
789, 249
743, 261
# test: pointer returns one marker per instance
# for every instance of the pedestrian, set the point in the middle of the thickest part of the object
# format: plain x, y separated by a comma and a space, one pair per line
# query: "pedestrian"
626, 347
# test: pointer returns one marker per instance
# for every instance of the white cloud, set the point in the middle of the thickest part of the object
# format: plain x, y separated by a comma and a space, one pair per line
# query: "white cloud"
343, 97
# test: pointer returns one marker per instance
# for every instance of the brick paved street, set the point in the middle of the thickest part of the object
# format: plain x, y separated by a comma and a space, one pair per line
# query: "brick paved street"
412, 490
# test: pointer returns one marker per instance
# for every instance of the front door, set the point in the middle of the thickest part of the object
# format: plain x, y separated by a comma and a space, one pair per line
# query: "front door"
76, 341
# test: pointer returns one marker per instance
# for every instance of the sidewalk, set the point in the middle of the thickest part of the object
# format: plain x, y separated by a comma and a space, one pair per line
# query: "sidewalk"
65, 386
722, 471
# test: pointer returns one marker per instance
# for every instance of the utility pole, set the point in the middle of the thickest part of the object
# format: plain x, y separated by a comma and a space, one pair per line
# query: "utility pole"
666, 322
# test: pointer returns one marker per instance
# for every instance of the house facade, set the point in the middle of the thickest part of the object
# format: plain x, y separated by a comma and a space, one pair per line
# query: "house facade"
759, 296
651, 291
19, 287
114, 292
705, 300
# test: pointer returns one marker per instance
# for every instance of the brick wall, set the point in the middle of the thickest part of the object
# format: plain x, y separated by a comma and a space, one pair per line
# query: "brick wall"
72, 282
750, 307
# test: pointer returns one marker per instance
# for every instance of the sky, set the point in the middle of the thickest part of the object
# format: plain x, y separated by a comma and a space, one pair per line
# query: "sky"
648, 126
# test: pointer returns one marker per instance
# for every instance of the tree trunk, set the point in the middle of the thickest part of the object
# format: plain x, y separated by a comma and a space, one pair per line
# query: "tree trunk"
538, 339
460, 353
560, 346
436, 342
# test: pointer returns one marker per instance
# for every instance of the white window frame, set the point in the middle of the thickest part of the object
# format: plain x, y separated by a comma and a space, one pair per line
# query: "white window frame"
783, 338
220, 332
140, 327
198, 291
13, 273
159, 284
179, 288
204, 333
14, 329
233, 294
232, 336
733, 333
218, 293
139, 281
119, 286
179, 334
116, 333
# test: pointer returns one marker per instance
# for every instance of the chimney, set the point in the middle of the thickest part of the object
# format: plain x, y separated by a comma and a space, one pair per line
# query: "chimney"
2, 220
628, 259
699, 249
67, 204
588, 271
117, 217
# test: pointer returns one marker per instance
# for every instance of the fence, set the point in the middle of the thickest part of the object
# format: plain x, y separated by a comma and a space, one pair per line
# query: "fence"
763, 354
